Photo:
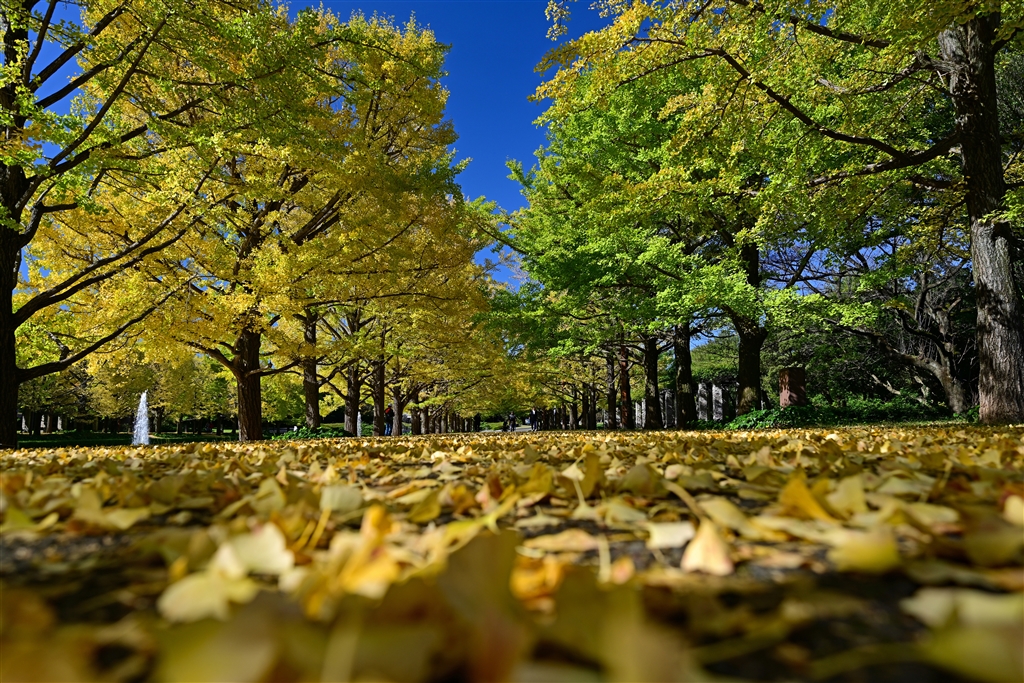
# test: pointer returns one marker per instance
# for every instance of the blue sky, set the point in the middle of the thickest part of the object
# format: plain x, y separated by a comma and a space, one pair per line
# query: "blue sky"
495, 45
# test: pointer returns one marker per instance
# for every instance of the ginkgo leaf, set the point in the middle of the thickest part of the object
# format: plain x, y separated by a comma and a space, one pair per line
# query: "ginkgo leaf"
669, 534
427, 509
263, 551
568, 541
204, 595
848, 496
725, 514
797, 500
938, 607
340, 498
707, 552
1013, 510
872, 551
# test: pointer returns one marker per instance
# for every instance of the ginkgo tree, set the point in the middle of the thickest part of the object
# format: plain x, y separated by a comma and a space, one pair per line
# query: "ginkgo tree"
310, 209
679, 233
93, 94
868, 95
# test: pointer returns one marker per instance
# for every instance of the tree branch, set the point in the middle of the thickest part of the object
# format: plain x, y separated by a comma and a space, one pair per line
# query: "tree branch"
87, 131
73, 49
23, 375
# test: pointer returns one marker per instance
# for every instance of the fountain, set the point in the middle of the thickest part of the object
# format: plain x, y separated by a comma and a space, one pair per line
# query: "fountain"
141, 434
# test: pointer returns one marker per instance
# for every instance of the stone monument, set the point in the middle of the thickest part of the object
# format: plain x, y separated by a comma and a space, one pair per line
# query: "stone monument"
792, 387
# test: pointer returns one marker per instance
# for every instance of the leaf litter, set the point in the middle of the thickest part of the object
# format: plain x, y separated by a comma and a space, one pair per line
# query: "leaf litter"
860, 554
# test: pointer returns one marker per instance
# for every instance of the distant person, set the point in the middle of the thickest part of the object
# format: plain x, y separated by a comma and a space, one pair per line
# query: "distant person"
534, 419
389, 420
511, 422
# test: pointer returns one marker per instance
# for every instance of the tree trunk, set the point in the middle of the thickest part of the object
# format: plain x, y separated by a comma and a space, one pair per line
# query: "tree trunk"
416, 427
956, 394
752, 338
379, 397
310, 381
592, 412
968, 50
248, 381
8, 353
353, 391
399, 407
612, 421
652, 420
574, 414
686, 403
624, 393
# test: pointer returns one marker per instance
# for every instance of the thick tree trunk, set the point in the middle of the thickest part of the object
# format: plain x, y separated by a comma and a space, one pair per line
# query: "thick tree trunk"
8, 356
379, 397
752, 338
399, 407
652, 419
625, 400
353, 390
686, 402
968, 50
416, 427
310, 380
248, 381
13, 186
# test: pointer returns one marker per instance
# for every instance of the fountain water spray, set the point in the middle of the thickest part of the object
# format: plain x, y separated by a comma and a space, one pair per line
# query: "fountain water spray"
141, 434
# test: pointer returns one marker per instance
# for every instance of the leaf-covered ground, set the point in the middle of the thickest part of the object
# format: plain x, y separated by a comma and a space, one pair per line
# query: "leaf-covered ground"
855, 555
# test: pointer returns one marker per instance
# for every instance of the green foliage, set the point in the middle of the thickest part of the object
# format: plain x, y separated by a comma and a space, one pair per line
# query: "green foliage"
715, 361
855, 412
307, 433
